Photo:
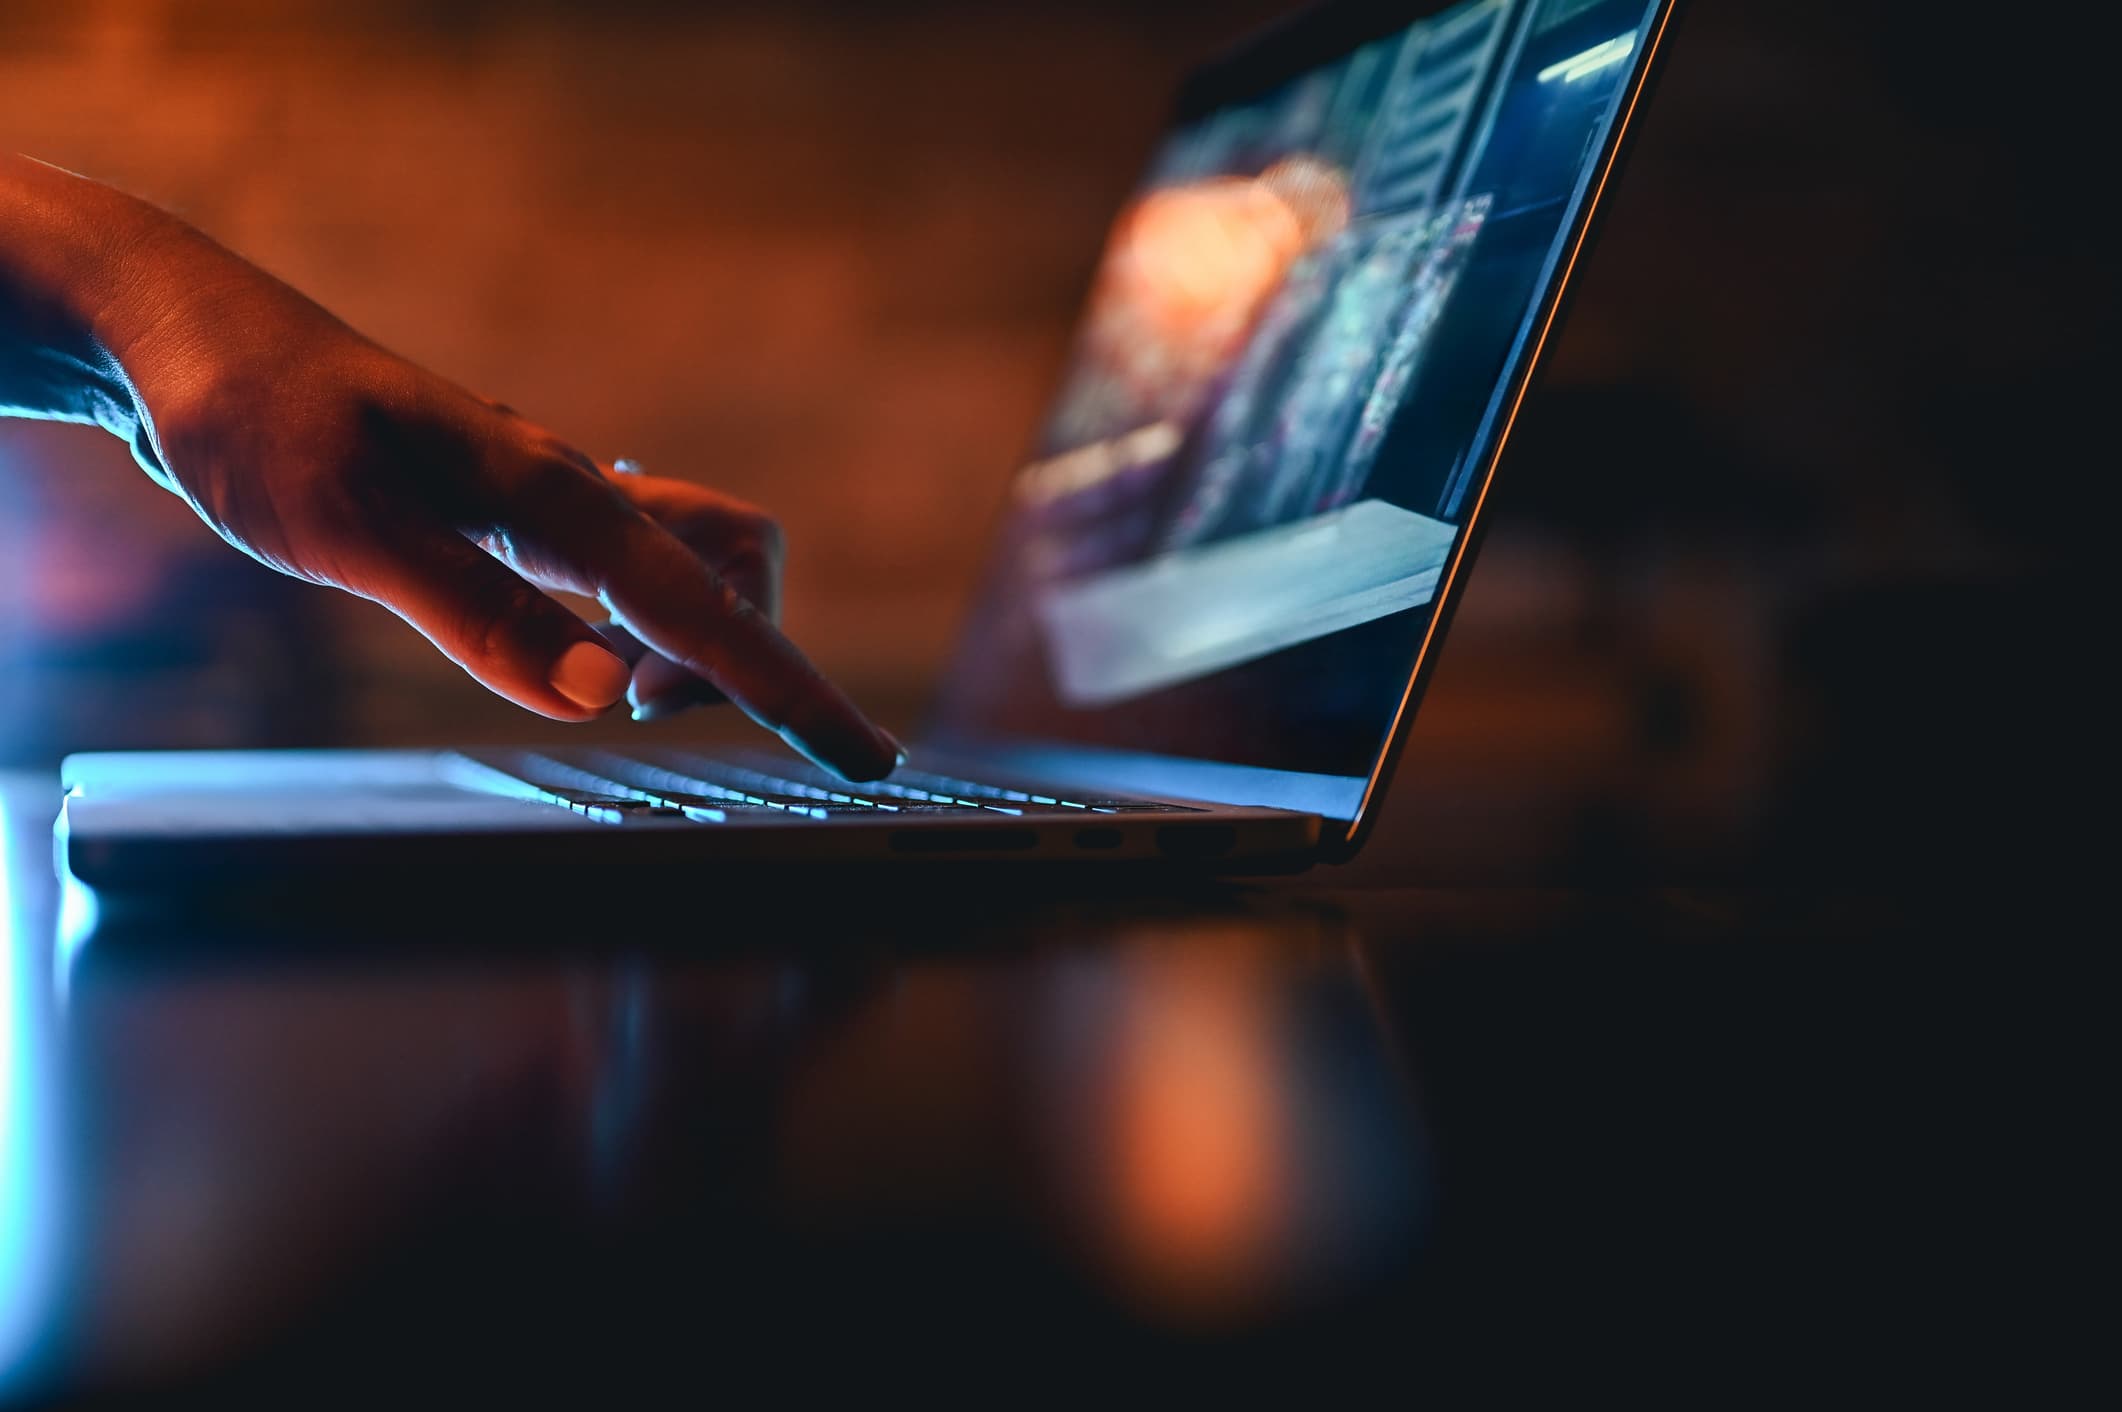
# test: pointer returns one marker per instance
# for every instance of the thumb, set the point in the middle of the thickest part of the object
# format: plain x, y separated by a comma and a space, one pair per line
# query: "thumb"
488, 620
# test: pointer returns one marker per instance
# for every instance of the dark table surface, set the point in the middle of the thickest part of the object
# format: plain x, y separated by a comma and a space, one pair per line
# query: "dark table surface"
820, 1136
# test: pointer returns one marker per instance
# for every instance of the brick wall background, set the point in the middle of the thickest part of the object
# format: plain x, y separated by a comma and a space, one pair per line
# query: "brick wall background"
822, 256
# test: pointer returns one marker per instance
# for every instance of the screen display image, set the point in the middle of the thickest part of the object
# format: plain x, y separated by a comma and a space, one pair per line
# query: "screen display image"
1229, 539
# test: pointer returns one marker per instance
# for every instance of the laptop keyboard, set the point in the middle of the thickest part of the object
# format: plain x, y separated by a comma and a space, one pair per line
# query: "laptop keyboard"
613, 787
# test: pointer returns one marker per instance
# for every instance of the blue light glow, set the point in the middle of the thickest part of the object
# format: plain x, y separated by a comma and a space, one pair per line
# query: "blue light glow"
25, 1152
78, 913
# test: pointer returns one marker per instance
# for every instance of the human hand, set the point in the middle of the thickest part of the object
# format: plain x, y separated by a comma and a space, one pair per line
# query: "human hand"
321, 454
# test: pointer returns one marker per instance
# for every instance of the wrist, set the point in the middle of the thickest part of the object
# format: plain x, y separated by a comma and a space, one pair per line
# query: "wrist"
97, 286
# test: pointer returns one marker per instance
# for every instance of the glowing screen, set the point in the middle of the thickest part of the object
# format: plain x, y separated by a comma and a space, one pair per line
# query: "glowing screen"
1229, 538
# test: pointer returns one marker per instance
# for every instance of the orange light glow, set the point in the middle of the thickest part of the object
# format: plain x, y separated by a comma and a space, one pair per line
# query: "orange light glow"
1190, 268
1202, 257
1198, 1134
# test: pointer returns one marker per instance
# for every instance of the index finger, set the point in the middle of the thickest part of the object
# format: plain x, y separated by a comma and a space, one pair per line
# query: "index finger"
671, 600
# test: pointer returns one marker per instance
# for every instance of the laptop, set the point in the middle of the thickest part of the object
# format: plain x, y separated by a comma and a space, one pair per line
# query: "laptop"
1221, 576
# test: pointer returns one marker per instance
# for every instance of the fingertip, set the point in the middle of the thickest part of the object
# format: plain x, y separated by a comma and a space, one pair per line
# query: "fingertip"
871, 756
849, 768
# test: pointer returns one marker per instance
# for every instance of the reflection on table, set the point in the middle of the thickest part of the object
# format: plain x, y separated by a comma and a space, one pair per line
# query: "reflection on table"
644, 1137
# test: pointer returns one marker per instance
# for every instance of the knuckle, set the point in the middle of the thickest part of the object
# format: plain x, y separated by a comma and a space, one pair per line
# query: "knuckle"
748, 570
546, 447
549, 480
494, 612
767, 534
725, 613
580, 499
737, 610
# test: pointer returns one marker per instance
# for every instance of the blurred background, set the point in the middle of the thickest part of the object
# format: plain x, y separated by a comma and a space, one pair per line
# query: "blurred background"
1789, 576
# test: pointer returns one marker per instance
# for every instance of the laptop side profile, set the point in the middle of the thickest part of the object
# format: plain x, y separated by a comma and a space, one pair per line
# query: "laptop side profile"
1221, 579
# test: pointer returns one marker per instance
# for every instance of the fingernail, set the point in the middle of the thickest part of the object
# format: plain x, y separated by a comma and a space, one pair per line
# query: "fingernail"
590, 677
890, 746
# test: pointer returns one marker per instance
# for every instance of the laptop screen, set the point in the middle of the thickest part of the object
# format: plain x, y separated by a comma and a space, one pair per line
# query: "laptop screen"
1229, 539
